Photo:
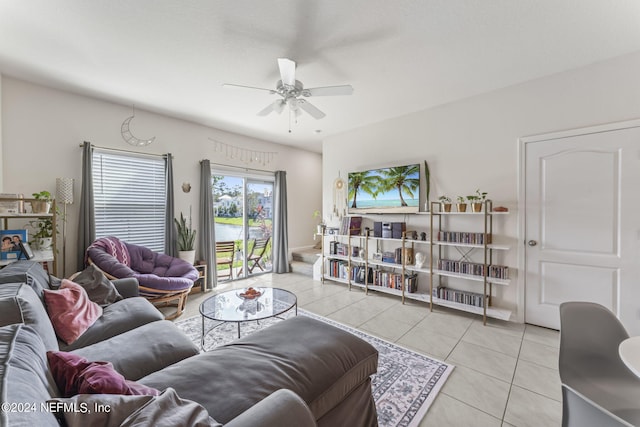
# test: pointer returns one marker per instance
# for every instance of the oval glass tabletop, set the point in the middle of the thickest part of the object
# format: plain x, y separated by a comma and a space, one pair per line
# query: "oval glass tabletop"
229, 306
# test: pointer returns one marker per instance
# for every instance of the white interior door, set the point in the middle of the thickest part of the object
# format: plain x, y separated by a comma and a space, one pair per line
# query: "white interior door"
582, 224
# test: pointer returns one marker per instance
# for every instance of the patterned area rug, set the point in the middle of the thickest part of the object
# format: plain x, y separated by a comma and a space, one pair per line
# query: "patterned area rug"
404, 387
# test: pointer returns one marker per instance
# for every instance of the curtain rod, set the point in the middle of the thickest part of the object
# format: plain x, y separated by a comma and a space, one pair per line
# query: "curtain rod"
241, 167
126, 151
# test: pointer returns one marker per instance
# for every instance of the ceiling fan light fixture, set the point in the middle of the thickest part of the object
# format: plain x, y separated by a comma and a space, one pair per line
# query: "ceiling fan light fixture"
291, 89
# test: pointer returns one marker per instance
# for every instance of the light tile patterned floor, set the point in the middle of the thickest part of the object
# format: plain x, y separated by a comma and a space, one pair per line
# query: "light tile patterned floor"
506, 373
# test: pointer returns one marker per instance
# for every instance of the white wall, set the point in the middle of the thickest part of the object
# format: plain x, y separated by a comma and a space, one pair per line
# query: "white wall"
473, 143
42, 129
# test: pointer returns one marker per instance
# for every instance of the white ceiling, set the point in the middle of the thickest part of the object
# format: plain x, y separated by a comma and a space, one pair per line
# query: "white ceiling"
400, 56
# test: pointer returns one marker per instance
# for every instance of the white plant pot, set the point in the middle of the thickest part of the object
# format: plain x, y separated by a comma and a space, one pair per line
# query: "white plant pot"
189, 256
45, 243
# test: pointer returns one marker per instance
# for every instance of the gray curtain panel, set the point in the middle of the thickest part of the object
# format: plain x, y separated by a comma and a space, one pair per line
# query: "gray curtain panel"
170, 231
280, 231
86, 224
206, 234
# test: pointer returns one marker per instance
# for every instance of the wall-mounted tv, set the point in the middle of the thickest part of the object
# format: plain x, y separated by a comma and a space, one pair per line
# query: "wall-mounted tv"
385, 190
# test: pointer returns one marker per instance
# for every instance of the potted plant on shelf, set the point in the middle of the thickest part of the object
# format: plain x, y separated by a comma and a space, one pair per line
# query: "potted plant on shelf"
477, 200
42, 202
43, 237
461, 205
320, 227
446, 203
186, 239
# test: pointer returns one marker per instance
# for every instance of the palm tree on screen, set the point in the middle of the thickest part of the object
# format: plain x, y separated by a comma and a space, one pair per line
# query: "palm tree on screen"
362, 181
406, 179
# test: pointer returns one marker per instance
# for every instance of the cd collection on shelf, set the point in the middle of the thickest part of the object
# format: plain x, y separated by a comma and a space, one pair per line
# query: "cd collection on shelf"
462, 297
463, 237
474, 269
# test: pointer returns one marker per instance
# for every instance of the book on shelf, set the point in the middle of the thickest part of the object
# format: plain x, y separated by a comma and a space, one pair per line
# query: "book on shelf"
351, 225
338, 268
405, 255
337, 248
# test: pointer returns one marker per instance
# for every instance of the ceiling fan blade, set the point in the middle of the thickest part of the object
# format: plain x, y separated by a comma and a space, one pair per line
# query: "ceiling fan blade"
268, 109
287, 71
233, 86
311, 109
328, 91
277, 106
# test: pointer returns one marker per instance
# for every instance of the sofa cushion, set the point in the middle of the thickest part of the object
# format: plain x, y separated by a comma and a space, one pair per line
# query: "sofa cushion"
117, 318
101, 378
24, 378
320, 363
74, 374
99, 289
157, 345
20, 304
70, 310
29, 272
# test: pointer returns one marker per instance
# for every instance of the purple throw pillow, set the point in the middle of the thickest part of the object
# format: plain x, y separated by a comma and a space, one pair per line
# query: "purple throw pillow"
74, 374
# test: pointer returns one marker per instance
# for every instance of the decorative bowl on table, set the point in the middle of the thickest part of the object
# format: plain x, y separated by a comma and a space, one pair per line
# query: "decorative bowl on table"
249, 293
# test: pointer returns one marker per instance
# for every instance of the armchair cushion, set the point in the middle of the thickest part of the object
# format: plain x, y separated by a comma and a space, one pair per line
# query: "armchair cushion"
152, 269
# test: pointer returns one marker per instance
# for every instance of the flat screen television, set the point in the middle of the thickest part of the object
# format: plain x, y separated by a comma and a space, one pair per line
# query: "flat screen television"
386, 190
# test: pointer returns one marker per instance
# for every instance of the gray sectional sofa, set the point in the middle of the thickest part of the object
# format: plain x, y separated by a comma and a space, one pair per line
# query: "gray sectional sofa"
298, 372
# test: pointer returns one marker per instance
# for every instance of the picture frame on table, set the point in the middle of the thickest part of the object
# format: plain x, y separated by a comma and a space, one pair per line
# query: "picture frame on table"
10, 244
26, 250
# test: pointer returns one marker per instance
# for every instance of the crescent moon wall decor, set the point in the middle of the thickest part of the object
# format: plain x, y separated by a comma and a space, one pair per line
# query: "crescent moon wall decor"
128, 136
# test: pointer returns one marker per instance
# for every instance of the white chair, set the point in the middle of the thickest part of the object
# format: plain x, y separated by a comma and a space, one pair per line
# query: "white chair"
597, 387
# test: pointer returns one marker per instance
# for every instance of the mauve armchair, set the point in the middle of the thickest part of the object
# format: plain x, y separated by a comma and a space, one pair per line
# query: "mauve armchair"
162, 278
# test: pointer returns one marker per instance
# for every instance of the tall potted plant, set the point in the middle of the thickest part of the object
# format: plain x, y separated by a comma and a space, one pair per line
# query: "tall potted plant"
186, 239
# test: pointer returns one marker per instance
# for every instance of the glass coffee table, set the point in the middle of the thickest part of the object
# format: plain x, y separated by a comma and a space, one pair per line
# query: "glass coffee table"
229, 306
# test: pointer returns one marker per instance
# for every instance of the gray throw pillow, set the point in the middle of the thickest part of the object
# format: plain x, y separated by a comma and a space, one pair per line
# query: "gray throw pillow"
99, 289
165, 410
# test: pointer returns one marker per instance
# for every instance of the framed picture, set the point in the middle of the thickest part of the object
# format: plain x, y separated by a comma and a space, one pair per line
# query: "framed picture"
10, 244
26, 250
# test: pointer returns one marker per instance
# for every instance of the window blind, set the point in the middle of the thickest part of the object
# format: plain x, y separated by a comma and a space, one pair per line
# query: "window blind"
130, 198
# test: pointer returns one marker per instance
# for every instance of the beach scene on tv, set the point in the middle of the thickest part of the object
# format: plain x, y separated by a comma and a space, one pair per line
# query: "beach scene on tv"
385, 190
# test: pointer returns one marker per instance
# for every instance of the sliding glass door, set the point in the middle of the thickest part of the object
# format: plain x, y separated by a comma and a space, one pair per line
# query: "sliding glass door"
243, 208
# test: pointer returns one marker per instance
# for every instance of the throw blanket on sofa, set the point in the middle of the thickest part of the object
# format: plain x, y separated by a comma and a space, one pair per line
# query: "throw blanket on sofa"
114, 247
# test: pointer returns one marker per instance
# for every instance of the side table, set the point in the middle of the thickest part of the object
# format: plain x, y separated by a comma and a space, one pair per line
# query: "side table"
202, 276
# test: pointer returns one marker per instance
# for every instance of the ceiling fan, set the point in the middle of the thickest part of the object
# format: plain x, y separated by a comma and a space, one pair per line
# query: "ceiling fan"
290, 91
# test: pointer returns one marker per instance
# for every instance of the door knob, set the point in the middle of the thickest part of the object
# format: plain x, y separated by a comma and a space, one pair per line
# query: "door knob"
532, 243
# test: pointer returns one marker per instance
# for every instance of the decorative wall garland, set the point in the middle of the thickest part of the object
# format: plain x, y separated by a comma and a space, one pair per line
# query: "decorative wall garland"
246, 156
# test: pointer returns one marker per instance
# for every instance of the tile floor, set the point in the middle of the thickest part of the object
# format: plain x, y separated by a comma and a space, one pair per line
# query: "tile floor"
505, 374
